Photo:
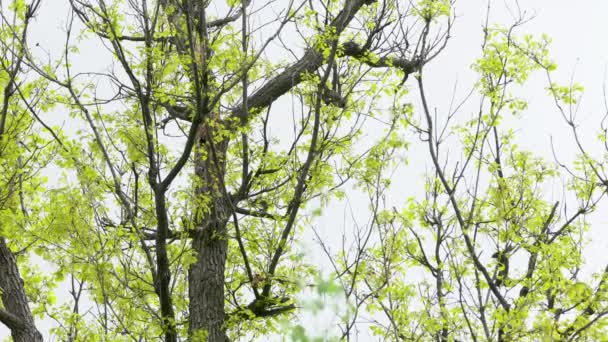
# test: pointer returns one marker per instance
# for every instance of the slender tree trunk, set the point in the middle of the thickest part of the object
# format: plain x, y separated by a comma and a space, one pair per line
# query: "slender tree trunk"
163, 272
206, 276
22, 324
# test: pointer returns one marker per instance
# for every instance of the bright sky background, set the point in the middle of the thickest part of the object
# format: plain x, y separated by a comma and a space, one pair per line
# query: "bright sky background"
580, 49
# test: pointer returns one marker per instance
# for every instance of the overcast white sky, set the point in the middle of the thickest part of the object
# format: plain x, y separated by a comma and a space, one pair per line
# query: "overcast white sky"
580, 48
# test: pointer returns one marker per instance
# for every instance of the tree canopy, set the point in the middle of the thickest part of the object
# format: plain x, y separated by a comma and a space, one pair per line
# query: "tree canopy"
165, 164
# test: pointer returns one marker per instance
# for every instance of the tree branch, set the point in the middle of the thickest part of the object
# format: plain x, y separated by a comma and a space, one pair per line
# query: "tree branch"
12, 321
310, 62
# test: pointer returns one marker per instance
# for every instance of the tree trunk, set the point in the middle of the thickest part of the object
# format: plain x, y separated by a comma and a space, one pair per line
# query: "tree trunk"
206, 276
206, 280
20, 321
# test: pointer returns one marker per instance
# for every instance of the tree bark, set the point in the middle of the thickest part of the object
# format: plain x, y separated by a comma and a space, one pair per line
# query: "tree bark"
206, 278
206, 275
17, 316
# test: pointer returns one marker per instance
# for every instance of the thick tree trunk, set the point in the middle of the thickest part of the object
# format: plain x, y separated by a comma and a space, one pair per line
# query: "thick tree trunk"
206, 280
17, 315
206, 276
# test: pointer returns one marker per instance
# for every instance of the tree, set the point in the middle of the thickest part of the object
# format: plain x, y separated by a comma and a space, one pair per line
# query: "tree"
183, 195
20, 152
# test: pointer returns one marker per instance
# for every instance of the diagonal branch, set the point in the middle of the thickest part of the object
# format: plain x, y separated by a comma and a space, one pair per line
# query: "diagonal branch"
354, 50
310, 62
12, 321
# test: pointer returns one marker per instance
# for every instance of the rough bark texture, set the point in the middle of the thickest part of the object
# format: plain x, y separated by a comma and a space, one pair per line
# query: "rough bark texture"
206, 279
17, 316
206, 276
